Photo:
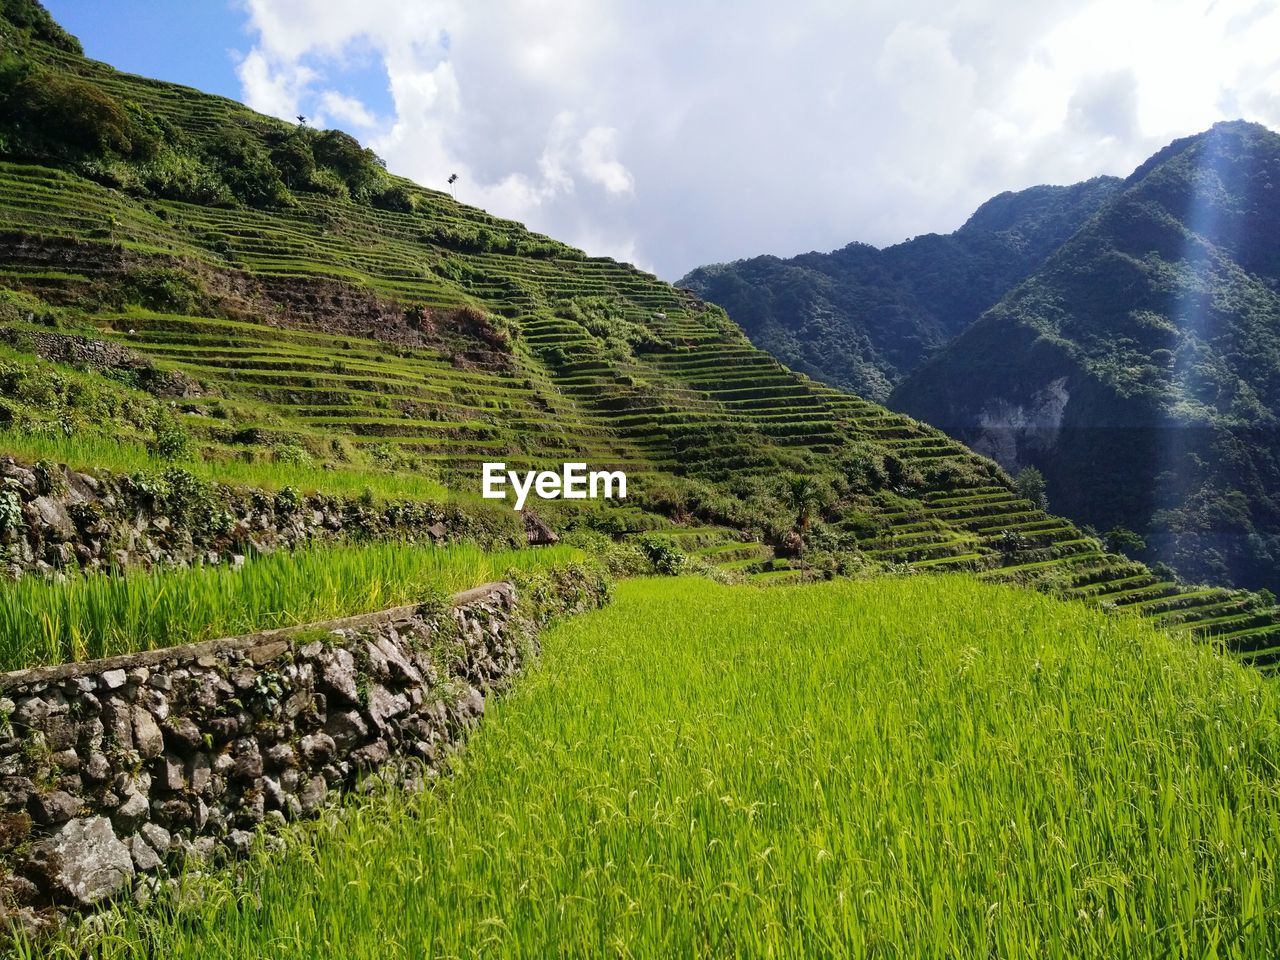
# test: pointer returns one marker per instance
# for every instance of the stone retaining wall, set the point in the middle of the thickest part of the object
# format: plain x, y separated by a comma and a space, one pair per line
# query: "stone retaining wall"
53, 518
112, 772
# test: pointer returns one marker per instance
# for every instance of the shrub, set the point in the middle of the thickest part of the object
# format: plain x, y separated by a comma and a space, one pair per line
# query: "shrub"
163, 290
395, 197
49, 111
10, 511
247, 170
172, 442
327, 182
1122, 540
31, 17
294, 454
664, 556
358, 168
184, 177
294, 160
1030, 484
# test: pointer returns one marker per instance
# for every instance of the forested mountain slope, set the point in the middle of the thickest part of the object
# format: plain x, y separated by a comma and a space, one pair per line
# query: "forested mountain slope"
863, 318
182, 278
1139, 368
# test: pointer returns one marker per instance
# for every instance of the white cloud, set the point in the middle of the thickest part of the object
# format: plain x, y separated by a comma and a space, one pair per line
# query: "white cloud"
348, 111
677, 134
597, 158
273, 88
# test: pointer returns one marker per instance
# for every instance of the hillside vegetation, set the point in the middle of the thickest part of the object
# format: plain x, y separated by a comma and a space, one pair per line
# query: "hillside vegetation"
863, 318
188, 285
1139, 367
920, 767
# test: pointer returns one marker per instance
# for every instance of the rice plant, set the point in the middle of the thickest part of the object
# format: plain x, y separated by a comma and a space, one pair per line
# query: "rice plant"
45, 622
923, 767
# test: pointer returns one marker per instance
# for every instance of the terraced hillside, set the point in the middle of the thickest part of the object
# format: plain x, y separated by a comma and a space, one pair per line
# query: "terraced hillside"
361, 324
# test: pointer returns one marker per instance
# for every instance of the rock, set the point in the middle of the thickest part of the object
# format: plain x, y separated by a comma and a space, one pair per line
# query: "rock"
200, 772
386, 661
97, 767
223, 729
182, 735
53, 808
132, 813
173, 775
384, 705
54, 519
60, 733
15, 791
157, 836
312, 794
155, 702
472, 703
84, 862
338, 674
371, 756
240, 841
118, 720
148, 740
274, 793
317, 748
160, 681
281, 756
248, 765
347, 729
30, 713
114, 679
145, 858
175, 814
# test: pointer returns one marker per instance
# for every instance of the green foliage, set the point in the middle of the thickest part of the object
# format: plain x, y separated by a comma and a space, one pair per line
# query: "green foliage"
10, 511
31, 17
45, 622
45, 112
244, 164
162, 289
663, 555
316, 344
1123, 540
732, 759
172, 442
1030, 484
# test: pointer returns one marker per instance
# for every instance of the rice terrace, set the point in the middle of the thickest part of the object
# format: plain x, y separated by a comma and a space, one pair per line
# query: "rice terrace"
382, 578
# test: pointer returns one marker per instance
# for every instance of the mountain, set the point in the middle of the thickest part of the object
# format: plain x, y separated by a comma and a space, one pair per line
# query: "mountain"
190, 289
1139, 366
863, 318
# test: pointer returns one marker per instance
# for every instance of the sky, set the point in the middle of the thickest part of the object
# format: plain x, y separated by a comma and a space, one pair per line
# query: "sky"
674, 134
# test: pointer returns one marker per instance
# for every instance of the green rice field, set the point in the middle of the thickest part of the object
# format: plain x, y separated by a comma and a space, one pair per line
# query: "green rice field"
44, 621
912, 767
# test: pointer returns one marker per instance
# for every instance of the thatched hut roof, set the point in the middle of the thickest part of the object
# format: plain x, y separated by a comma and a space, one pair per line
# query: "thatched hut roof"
536, 531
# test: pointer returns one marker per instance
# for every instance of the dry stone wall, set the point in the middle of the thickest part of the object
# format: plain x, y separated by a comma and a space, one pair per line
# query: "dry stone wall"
115, 771
53, 518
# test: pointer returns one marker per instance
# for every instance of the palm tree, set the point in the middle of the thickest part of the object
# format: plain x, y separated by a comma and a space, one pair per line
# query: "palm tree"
802, 495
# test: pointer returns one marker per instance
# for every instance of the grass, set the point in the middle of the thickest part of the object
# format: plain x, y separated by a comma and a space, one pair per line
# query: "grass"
595, 361
43, 622
929, 766
88, 452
